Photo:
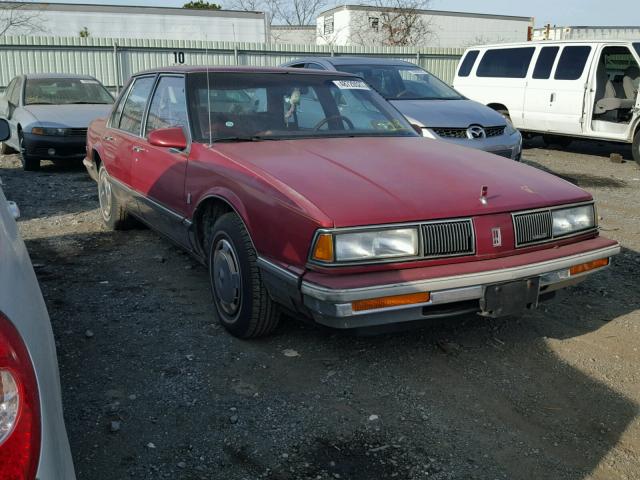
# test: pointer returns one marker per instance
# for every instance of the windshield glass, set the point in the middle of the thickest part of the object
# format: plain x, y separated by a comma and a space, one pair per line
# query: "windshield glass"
403, 82
251, 106
65, 91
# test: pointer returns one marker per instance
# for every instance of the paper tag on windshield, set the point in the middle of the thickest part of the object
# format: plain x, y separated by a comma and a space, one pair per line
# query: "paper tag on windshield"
92, 82
351, 85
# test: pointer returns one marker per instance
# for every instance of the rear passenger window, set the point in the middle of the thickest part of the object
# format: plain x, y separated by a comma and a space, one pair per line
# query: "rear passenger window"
315, 66
467, 64
134, 107
545, 62
572, 62
506, 62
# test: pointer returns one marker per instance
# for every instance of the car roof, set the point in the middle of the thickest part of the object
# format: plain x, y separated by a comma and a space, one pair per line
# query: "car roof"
30, 76
233, 69
536, 43
350, 60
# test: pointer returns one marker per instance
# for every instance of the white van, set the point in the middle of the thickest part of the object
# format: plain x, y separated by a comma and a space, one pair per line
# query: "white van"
559, 89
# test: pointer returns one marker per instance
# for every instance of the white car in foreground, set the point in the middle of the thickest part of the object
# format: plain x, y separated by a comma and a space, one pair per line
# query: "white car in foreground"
33, 438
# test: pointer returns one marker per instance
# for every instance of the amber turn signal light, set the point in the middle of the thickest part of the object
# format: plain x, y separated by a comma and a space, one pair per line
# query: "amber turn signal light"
585, 267
323, 250
387, 302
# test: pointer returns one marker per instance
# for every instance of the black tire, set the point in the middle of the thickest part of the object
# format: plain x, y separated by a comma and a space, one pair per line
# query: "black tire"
242, 303
6, 149
557, 140
635, 148
114, 215
29, 163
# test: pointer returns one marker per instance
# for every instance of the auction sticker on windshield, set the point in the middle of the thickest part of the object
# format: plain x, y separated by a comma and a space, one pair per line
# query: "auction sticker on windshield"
351, 85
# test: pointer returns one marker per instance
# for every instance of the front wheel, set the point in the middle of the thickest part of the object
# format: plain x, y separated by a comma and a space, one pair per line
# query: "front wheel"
29, 163
635, 148
242, 303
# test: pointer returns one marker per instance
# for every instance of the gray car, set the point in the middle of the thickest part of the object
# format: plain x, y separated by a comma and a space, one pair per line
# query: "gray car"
49, 115
33, 438
428, 103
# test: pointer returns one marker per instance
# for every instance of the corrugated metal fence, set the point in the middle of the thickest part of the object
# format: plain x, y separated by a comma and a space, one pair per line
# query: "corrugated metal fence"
113, 61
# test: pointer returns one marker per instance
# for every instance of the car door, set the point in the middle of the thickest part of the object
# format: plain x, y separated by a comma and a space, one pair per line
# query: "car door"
158, 173
569, 88
125, 129
539, 94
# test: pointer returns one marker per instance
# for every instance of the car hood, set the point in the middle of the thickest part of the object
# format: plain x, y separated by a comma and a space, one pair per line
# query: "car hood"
448, 113
70, 116
362, 181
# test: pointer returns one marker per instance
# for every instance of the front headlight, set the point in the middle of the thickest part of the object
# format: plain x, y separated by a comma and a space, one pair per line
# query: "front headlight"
366, 245
571, 220
49, 131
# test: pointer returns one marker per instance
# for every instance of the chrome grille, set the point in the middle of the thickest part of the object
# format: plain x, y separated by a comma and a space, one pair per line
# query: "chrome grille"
533, 227
448, 239
462, 132
77, 132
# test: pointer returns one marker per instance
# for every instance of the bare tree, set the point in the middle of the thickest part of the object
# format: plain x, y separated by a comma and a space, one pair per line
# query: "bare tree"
396, 23
287, 12
16, 19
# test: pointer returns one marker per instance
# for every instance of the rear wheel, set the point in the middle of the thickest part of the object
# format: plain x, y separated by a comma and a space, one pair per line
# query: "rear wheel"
29, 163
242, 302
6, 149
114, 215
635, 148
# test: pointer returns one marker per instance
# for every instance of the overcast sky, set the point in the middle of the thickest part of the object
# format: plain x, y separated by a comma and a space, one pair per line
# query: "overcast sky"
558, 12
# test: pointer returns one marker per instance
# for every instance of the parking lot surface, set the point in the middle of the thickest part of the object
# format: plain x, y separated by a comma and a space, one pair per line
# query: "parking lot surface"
154, 388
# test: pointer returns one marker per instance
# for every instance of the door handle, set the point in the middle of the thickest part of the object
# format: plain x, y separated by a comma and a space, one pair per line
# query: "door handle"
552, 98
108, 138
138, 149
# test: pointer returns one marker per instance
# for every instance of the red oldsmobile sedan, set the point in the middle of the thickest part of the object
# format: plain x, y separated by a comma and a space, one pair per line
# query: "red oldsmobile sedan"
307, 192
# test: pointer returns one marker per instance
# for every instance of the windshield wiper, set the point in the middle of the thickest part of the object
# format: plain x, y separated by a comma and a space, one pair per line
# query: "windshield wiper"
246, 138
40, 103
86, 103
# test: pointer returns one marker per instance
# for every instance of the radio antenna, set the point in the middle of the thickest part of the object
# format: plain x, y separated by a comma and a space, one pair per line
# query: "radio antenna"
206, 54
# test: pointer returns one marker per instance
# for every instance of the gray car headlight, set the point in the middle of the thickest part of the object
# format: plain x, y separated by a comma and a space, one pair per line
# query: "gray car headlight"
367, 245
571, 220
50, 131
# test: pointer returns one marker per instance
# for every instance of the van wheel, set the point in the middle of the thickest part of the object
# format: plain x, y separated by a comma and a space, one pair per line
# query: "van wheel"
242, 302
6, 149
635, 148
556, 140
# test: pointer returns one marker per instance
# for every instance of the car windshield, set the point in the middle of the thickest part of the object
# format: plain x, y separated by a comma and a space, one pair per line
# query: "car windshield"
250, 106
65, 91
403, 82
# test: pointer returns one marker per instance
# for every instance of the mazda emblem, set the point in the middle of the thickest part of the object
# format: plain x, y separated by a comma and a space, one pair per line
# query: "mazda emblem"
476, 132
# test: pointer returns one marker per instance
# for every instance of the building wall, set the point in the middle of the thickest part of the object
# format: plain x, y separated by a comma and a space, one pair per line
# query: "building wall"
286, 35
587, 33
63, 20
352, 26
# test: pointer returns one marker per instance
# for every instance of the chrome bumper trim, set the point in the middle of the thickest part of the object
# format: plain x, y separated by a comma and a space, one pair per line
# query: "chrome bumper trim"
342, 296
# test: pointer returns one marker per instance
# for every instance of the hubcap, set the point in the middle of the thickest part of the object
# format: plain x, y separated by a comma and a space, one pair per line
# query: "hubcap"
226, 277
104, 195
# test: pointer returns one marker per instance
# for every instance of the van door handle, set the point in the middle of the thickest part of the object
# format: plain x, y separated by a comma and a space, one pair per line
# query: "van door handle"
108, 138
552, 98
138, 149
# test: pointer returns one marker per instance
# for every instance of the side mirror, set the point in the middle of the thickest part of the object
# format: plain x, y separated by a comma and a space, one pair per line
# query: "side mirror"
173, 137
5, 131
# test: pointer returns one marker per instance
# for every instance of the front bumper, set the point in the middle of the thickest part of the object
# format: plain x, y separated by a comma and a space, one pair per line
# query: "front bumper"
50, 147
452, 290
507, 146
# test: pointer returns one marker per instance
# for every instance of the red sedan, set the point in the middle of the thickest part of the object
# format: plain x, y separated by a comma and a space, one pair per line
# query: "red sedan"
308, 192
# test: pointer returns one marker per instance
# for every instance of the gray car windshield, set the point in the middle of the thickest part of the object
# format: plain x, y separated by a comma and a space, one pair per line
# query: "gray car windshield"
250, 106
65, 91
403, 82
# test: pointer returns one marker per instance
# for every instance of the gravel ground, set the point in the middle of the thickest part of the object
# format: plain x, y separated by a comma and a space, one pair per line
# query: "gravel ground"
154, 388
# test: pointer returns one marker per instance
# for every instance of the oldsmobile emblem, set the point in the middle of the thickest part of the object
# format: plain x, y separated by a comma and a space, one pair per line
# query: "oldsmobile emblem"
496, 236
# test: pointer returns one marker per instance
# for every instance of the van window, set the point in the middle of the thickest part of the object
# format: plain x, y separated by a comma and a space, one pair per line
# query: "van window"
572, 62
637, 47
467, 64
545, 62
506, 62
